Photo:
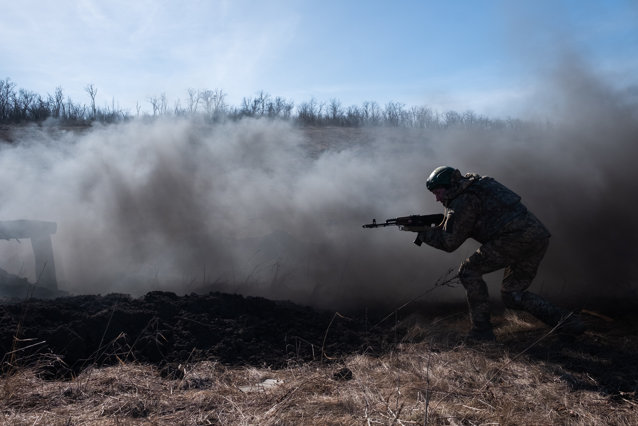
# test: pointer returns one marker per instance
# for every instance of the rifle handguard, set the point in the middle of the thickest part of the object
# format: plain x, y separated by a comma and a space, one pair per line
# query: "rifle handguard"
421, 222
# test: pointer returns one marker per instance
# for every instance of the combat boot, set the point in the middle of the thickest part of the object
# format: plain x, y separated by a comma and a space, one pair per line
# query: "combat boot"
484, 335
481, 331
551, 315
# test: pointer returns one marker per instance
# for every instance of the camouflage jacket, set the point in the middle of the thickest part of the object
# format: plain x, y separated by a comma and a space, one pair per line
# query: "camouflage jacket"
480, 208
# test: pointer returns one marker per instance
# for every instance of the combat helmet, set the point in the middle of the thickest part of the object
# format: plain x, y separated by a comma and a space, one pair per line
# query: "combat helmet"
442, 177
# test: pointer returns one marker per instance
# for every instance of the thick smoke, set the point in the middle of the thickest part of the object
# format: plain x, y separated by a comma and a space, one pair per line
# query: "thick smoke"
577, 172
256, 207
265, 208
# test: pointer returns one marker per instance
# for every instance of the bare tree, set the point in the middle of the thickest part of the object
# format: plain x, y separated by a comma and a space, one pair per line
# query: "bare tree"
7, 92
24, 102
246, 107
163, 104
193, 101
393, 114
452, 118
260, 103
220, 103
371, 113
155, 104
424, 117
354, 116
335, 113
58, 103
39, 110
213, 101
74, 112
280, 108
177, 108
309, 112
92, 91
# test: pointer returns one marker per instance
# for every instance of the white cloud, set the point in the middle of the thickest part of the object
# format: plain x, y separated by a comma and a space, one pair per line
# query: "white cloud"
132, 50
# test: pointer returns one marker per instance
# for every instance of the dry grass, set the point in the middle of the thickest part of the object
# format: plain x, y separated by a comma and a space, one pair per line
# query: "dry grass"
416, 383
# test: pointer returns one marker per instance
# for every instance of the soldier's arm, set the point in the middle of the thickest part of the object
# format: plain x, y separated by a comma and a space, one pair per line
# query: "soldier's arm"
457, 227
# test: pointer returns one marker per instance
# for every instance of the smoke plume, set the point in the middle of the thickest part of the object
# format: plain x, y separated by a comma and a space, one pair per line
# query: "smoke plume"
266, 208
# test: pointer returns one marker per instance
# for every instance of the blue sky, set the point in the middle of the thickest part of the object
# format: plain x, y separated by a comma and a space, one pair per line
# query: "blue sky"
476, 54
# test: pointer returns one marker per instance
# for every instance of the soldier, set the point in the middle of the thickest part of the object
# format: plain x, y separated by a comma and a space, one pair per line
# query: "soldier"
511, 237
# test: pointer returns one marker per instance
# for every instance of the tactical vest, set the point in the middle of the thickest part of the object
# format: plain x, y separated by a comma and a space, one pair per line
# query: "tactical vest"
499, 206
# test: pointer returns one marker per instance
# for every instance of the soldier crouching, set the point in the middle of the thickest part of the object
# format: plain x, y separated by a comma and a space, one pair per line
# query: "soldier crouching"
511, 238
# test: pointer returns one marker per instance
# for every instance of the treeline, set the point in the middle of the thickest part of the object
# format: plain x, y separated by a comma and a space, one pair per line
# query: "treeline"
23, 106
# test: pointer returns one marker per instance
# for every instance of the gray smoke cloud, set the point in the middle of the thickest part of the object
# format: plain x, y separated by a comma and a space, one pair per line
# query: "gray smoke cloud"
266, 208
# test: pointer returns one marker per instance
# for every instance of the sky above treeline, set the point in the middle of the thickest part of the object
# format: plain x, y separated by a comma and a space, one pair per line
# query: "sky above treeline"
484, 56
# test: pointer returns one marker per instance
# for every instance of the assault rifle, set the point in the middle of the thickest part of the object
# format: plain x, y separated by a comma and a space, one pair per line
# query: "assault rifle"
417, 222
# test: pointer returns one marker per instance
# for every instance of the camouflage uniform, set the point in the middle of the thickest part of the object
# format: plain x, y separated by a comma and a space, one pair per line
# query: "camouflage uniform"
512, 238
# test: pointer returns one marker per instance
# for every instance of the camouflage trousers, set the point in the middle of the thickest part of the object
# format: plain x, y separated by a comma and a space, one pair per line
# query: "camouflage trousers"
519, 254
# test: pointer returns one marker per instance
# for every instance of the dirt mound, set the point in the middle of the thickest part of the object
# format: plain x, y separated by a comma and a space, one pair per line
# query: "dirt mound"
163, 328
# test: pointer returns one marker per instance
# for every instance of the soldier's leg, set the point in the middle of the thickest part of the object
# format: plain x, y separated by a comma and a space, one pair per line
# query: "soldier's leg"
518, 277
471, 272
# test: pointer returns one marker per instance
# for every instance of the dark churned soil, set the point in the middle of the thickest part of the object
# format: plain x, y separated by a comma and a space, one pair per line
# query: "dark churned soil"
163, 328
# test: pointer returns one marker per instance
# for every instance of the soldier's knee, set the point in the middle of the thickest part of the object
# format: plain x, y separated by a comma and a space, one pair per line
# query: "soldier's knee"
513, 299
467, 273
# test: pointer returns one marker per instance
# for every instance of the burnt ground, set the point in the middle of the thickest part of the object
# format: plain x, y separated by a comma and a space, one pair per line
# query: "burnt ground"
63, 336
165, 329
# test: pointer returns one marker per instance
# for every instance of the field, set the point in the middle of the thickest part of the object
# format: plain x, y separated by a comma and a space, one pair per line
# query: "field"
229, 359
271, 210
